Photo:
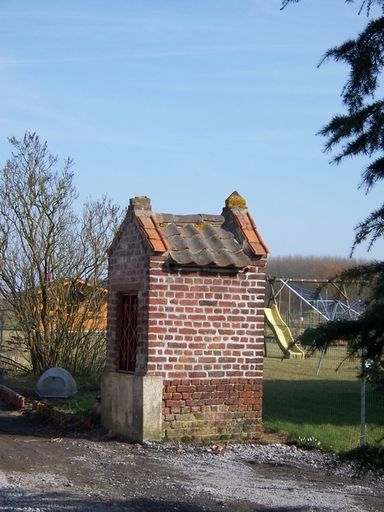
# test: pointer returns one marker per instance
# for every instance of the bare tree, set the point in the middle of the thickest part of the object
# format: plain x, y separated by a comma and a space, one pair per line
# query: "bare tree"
53, 260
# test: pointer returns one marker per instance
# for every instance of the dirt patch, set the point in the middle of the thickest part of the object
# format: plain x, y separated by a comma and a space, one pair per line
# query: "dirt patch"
45, 469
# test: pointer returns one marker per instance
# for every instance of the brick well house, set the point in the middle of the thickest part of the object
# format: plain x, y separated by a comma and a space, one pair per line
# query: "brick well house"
185, 325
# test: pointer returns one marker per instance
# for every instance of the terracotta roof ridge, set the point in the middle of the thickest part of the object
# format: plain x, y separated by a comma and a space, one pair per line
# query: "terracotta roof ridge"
187, 218
148, 226
162, 238
257, 233
249, 231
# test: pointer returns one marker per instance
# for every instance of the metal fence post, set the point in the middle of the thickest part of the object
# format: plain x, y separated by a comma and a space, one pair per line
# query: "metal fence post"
1, 347
362, 400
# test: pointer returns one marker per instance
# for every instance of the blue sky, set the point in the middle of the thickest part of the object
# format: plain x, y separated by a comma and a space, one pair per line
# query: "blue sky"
186, 101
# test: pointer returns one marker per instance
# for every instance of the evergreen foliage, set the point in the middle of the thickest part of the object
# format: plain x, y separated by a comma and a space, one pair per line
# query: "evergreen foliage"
359, 132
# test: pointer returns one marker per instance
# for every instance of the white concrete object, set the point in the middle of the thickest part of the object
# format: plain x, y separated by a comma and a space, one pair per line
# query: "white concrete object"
56, 383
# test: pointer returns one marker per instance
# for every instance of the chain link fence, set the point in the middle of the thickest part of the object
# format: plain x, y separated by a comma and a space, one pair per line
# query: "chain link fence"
321, 401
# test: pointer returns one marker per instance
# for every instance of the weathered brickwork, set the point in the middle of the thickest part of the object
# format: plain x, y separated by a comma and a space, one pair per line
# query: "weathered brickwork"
207, 329
128, 272
199, 329
10, 396
206, 408
206, 325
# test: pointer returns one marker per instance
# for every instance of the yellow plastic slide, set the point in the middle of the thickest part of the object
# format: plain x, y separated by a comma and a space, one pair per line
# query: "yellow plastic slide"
282, 333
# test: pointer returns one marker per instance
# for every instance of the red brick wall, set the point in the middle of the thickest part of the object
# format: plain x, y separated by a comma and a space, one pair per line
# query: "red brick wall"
128, 272
206, 333
11, 397
220, 408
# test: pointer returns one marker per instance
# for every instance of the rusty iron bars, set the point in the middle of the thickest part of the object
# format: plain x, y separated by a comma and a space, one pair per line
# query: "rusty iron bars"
128, 333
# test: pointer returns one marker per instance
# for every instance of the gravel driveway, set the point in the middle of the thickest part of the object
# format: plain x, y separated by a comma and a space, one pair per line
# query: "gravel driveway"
43, 469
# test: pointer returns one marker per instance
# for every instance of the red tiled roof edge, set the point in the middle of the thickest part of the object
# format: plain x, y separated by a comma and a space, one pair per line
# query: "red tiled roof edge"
148, 227
265, 248
252, 237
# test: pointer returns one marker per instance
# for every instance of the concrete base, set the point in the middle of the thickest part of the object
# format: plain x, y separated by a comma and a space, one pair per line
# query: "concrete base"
131, 405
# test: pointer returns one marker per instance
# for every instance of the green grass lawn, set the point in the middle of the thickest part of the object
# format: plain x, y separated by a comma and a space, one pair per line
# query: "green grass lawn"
320, 410
317, 410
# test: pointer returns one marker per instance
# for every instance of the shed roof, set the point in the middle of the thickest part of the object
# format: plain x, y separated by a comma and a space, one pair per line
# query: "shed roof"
229, 240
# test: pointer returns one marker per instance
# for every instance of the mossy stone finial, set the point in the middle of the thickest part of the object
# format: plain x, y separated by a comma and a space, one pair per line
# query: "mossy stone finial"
235, 200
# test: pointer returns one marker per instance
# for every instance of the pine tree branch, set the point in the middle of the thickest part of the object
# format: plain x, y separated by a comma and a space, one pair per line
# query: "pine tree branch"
372, 228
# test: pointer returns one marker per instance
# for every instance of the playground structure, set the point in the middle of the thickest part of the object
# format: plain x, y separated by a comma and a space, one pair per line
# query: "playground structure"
282, 334
305, 303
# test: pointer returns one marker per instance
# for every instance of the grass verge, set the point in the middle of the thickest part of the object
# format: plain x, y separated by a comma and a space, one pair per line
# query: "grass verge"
82, 405
320, 410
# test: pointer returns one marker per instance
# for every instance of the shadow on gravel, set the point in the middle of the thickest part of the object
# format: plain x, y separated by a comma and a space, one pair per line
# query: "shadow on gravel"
30, 423
63, 502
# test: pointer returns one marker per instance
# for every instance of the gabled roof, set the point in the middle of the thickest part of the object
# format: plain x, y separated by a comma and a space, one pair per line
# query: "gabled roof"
194, 240
229, 240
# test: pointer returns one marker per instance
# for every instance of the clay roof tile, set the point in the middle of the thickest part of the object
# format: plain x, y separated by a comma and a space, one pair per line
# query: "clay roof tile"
201, 239
149, 228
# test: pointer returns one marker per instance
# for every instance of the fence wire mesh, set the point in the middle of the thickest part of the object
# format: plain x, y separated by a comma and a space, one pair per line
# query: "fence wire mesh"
318, 401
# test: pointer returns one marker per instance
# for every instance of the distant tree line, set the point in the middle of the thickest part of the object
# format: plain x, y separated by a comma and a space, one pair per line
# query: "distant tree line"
310, 267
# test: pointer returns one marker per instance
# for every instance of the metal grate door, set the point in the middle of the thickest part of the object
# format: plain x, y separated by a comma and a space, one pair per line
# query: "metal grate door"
128, 333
